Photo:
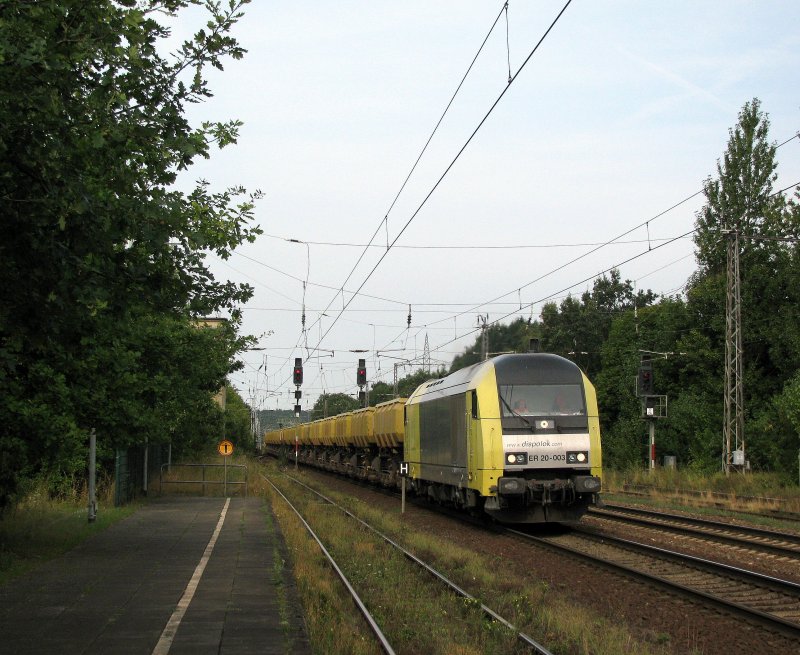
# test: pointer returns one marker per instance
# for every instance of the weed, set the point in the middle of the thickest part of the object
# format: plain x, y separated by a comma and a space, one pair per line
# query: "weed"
40, 528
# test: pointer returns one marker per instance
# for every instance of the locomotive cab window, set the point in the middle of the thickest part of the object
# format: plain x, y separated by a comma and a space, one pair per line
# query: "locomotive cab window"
542, 400
474, 404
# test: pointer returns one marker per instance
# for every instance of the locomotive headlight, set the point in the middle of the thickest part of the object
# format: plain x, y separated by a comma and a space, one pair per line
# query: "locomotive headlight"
511, 458
577, 457
516, 459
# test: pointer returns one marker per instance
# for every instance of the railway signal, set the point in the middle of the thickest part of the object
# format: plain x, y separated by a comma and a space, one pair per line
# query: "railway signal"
297, 375
361, 380
646, 386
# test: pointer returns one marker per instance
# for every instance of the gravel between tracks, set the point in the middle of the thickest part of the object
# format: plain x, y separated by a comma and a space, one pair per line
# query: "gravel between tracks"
779, 566
652, 615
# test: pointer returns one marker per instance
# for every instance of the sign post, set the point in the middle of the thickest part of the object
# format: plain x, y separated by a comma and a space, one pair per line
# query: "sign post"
225, 449
403, 474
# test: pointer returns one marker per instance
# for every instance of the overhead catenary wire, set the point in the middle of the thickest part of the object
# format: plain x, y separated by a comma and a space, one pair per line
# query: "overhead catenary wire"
507, 246
452, 163
386, 225
317, 284
607, 243
646, 252
473, 306
385, 221
556, 295
567, 288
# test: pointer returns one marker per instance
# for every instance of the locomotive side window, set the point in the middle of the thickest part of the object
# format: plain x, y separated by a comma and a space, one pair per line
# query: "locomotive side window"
542, 400
474, 404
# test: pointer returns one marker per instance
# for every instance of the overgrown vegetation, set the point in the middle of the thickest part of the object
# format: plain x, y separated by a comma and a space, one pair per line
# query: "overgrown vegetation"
40, 527
102, 259
754, 492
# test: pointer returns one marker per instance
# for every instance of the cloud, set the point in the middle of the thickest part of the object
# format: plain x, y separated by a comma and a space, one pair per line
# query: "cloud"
679, 81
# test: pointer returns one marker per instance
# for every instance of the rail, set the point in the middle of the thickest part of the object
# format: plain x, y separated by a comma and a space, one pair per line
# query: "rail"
204, 480
741, 602
537, 648
385, 645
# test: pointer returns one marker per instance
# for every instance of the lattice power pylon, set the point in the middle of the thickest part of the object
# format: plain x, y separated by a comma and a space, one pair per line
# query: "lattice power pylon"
733, 429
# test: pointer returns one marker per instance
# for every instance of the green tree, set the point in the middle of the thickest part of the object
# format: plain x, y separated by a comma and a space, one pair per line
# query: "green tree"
102, 258
741, 199
237, 420
380, 392
513, 337
740, 196
331, 404
577, 329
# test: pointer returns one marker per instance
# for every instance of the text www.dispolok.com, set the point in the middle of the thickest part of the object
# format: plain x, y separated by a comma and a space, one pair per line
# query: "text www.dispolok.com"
540, 444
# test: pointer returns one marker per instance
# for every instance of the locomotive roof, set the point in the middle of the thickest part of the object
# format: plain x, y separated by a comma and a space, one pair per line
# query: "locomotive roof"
535, 368
520, 368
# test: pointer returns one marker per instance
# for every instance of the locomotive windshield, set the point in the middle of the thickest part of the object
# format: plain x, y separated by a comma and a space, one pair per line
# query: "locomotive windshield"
542, 400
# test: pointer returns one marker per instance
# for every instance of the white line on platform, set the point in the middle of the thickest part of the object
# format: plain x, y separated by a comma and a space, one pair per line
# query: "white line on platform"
165, 642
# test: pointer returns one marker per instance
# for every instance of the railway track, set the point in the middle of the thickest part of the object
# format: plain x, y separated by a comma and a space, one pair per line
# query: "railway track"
722, 502
769, 602
778, 543
533, 645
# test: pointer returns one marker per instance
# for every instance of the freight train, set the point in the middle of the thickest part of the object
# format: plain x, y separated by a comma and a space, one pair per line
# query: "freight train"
516, 437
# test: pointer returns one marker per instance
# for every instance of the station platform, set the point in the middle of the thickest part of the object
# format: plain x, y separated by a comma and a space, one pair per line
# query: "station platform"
160, 582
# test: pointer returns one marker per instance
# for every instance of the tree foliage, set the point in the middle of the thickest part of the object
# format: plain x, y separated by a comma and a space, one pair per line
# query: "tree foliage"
331, 404
577, 329
740, 196
102, 258
382, 391
513, 337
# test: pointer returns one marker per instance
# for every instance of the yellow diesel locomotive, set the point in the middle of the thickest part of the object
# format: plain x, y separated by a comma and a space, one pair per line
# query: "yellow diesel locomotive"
516, 436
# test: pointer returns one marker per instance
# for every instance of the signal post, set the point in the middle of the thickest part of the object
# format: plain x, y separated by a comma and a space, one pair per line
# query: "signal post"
297, 376
361, 380
654, 406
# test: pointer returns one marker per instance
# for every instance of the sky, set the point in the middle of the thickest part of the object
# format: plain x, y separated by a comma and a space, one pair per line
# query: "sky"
620, 114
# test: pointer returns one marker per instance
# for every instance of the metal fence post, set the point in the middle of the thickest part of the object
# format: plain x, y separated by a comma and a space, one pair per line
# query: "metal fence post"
92, 469
144, 468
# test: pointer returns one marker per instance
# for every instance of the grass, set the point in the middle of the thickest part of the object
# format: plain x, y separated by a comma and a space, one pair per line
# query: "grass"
751, 492
40, 528
416, 613
278, 577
